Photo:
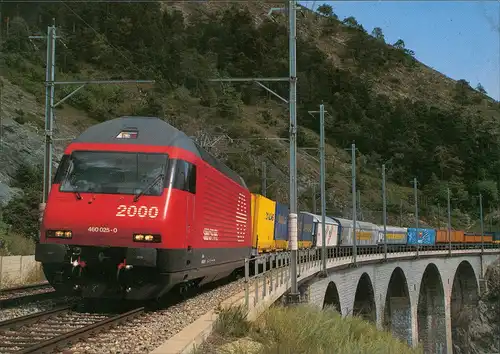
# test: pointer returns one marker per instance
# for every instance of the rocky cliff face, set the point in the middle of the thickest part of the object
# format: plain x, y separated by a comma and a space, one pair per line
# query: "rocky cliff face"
480, 333
22, 134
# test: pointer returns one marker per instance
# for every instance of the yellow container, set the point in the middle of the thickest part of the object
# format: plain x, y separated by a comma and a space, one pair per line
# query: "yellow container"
363, 235
395, 236
263, 214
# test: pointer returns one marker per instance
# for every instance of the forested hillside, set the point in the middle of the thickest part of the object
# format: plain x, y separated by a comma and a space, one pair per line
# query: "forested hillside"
397, 110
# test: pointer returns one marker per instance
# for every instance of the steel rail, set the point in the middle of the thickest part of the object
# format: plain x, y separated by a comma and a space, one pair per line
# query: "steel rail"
22, 299
34, 317
80, 333
24, 287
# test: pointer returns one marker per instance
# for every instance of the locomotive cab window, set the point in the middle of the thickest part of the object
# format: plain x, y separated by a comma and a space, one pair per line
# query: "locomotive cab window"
113, 172
183, 175
61, 169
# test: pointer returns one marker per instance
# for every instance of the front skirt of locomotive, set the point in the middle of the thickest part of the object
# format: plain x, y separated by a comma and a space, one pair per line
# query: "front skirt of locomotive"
104, 272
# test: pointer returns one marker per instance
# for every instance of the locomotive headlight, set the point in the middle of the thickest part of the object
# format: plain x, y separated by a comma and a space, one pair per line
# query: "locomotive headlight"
59, 234
138, 237
147, 238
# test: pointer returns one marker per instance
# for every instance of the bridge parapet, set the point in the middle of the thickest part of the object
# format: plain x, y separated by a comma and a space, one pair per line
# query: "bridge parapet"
267, 278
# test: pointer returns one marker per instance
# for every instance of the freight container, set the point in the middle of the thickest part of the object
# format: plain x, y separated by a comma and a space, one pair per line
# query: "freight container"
281, 227
496, 237
366, 232
475, 237
457, 236
305, 230
422, 237
331, 228
395, 235
263, 215
470, 237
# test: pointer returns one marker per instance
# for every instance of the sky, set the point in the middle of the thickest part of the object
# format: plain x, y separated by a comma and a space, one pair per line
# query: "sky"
460, 39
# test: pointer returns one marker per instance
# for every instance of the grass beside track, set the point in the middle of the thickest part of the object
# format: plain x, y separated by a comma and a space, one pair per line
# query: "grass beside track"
300, 329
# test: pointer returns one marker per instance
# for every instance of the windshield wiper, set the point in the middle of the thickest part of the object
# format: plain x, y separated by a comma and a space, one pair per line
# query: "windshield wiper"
78, 195
148, 187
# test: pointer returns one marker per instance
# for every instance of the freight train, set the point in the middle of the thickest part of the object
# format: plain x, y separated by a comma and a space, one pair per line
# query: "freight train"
369, 236
137, 208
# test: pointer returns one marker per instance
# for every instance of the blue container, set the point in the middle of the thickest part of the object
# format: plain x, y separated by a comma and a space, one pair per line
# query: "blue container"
305, 230
281, 222
424, 237
496, 237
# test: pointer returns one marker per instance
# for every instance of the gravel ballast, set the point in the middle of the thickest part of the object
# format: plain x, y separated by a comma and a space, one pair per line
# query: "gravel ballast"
9, 294
149, 331
31, 308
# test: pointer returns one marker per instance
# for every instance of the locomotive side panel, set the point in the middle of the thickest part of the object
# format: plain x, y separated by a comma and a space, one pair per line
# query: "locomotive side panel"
223, 211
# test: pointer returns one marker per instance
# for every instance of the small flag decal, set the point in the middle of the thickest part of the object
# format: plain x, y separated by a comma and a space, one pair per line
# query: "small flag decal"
127, 135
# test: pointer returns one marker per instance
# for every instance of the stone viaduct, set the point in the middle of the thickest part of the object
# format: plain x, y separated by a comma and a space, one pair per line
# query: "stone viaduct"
422, 298
418, 299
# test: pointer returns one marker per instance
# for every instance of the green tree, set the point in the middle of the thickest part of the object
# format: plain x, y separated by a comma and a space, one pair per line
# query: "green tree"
443, 142
351, 22
28, 177
399, 44
17, 36
489, 192
229, 103
378, 34
462, 92
22, 212
330, 26
326, 10
481, 89
436, 190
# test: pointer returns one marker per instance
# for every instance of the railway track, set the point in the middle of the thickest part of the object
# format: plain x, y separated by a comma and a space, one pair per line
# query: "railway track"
24, 287
25, 294
46, 331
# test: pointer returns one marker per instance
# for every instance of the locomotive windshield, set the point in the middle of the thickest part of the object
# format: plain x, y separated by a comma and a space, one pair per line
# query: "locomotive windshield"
113, 172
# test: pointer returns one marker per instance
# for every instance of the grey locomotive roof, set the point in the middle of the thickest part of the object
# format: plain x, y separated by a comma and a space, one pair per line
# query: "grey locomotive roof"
152, 131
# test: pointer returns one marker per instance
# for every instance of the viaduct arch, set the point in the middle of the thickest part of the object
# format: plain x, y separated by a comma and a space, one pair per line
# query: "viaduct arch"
422, 300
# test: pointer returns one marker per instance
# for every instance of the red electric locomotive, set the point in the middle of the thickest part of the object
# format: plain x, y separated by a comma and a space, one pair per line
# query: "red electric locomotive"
137, 207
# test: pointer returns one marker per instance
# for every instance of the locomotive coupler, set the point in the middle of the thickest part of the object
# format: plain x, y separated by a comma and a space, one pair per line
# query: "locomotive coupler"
122, 266
78, 263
